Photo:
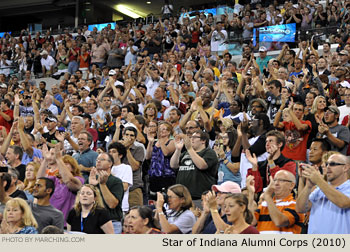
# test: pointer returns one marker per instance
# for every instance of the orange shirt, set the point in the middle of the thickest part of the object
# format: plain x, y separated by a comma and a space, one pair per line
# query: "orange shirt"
287, 207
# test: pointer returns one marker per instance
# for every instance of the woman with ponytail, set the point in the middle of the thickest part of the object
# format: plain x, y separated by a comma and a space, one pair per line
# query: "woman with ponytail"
237, 212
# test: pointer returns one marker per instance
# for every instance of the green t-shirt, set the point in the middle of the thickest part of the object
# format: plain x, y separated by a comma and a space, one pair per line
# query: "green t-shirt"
115, 186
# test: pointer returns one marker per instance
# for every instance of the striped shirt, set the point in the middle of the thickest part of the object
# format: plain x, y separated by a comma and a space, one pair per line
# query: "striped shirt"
287, 207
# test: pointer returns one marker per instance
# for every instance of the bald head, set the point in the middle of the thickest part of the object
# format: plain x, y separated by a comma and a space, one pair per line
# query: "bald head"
287, 174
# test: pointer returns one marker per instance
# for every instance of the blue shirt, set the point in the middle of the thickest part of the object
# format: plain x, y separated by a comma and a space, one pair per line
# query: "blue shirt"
225, 174
86, 158
59, 98
36, 153
263, 62
325, 216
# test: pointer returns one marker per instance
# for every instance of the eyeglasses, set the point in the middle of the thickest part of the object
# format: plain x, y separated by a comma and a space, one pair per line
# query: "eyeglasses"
282, 180
333, 164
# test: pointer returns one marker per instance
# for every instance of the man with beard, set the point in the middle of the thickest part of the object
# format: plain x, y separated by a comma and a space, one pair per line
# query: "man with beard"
206, 98
174, 119
252, 137
44, 213
338, 136
264, 170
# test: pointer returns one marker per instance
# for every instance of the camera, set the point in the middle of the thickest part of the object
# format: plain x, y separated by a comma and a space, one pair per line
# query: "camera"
4, 169
165, 195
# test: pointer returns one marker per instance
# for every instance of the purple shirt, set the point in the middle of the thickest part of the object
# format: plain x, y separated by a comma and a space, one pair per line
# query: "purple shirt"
63, 198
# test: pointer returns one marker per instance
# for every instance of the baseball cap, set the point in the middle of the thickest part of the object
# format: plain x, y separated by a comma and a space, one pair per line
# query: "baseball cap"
334, 109
261, 101
44, 52
262, 49
51, 118
86, 88
166, 103
130, 125
3, 85
345, 84
227, 187
344, 52
184, 83
112, 72
142, 85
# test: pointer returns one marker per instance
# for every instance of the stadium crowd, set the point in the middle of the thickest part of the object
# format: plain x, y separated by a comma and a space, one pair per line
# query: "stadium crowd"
158, 130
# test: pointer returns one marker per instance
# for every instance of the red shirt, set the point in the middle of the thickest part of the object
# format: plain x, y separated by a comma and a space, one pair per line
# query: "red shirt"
296, 141
7, 124
94, 134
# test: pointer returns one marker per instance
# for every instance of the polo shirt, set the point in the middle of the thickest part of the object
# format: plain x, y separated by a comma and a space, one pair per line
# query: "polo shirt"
265, 224
325, 216
87, 157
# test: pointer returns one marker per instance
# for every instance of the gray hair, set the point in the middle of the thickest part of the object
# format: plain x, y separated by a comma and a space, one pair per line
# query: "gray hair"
82, 122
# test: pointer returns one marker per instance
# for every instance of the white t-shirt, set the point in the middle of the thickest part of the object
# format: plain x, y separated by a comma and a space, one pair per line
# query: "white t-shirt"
124, 173
217, 41
48, 62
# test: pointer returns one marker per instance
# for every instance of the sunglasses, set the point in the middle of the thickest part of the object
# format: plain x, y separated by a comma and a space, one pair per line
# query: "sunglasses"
333, 164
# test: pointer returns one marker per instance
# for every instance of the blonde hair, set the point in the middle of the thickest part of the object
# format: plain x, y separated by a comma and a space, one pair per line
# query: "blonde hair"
27, 216
27, 186
73, 162
98, 203
314, 104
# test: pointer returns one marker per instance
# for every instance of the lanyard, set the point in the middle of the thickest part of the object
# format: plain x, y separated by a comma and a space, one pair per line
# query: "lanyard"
82, 222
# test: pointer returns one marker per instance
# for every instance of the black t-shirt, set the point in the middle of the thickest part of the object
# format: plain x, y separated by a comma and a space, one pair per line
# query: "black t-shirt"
197, 181
91, 224
22, 172
258, 148
19, 194
49, 137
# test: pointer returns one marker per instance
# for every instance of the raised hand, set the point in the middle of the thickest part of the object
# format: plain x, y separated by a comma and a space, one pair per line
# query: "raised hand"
45, 151
179, 142
211, 199
102, 176
271, 188
59, 136
250, 184
93, 177
251, 158
188, 144
58, 152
